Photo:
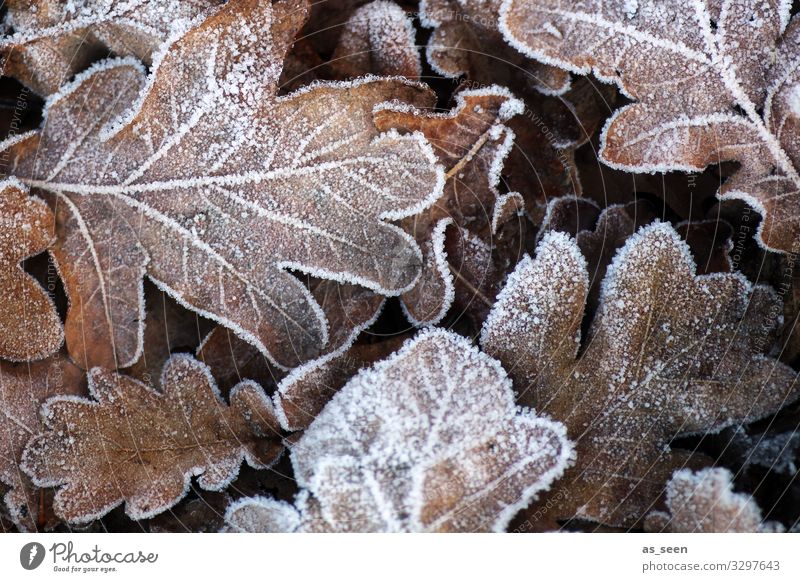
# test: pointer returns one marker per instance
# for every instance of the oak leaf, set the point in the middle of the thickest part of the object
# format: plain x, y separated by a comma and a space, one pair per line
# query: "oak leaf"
427, 440
711, 81
704, 502
30, 328
207, 180
23, 388
471, 141
54, 39
134, 445
667, 353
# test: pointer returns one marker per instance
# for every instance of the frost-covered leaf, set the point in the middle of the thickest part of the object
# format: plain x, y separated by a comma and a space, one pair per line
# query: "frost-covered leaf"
668, 352
30, 328
711, 81
134, 445
261, 514
471, 141
23, 388
377, 40
704, 501
54, 39
221, 186
427, 440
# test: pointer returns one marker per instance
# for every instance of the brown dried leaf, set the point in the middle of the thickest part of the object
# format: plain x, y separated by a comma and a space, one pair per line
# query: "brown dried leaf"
668, 352
712, 82
704, 502
30, 328
471, 141
428, 440
225, 186
23, 388
54, 39
378, 39
134, 445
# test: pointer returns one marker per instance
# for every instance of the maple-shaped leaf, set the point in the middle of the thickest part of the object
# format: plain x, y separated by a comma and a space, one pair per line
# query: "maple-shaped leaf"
704, 501
134, 445
668, 352
471, 141
23, 388
711, 81
427, 440
216, 186
30, 328
378, 39
54, 39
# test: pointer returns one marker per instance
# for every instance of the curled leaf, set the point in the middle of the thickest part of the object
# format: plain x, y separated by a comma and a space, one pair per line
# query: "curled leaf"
377, 40
472, 142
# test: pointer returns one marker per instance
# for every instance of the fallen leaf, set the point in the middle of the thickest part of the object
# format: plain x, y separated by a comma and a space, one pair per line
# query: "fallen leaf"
134, 445
54, 39
667, 353
472, 141
378, 39
216, 186
711, 82
704, 502
261, 514
23, 388
30, 328
427, 440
